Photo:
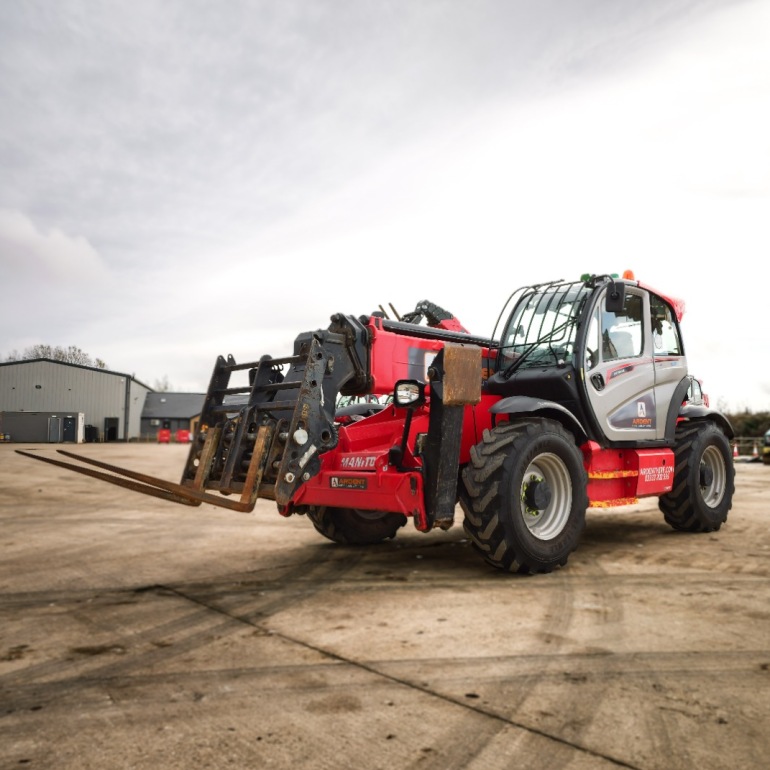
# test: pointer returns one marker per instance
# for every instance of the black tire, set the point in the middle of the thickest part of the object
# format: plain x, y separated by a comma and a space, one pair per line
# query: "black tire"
352, 526
704, 479
524, 495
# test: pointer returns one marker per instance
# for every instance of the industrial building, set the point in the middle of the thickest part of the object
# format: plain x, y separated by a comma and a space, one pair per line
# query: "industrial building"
42, 400
171, 416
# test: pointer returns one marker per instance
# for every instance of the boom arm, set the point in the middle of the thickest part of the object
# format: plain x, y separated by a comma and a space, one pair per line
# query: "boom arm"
265, 439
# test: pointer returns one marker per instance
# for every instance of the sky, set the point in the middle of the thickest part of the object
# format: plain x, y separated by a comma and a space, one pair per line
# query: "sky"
182, 179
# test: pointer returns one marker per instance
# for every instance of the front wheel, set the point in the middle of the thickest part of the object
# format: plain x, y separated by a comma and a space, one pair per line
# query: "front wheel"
353, 526
524, 496
704, 479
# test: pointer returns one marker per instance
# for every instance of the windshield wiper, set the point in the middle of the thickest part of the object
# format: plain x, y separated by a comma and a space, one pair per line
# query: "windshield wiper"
512, 367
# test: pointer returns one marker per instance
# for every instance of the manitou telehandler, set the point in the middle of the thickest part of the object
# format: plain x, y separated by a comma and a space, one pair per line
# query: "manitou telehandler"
580, 402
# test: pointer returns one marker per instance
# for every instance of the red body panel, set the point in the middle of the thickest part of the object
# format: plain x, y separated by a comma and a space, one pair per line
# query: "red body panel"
621, 476
397, 357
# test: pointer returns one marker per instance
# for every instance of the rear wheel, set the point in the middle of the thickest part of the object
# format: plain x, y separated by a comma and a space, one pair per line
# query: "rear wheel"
353, 526
525, 496
704, 479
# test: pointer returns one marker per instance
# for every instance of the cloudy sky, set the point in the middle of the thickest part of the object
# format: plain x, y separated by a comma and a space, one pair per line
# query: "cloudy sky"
181, 179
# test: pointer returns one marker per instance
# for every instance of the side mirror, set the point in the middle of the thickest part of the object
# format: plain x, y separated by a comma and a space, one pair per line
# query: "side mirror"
616, 297
409, 393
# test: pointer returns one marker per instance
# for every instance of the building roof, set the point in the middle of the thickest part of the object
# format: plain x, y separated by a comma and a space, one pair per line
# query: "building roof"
172, 405
21, 361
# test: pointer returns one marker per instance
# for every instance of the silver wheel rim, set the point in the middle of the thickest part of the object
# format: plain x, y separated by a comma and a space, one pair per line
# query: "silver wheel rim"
713, 492
548, 522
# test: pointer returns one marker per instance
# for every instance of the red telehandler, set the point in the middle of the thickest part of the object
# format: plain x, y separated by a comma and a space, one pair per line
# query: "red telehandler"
580, 402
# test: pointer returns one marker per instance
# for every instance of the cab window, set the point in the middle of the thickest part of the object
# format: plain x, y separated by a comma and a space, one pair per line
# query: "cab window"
665, 332
612, 336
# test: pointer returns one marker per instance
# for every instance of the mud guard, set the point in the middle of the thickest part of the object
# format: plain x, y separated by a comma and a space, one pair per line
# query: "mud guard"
518, 405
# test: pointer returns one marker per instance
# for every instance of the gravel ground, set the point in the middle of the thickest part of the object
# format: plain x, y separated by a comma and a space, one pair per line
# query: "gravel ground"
135, 633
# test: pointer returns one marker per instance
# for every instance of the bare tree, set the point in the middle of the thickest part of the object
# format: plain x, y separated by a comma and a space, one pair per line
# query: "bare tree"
162, 385
68, 355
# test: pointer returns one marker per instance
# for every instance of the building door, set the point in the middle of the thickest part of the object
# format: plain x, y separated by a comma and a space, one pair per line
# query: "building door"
110, 428
70, 429
54, 429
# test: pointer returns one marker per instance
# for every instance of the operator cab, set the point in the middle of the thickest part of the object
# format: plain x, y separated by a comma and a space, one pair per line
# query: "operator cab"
608, 350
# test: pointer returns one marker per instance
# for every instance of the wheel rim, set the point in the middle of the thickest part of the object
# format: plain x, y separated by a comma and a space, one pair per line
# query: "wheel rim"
546, 523
713, 477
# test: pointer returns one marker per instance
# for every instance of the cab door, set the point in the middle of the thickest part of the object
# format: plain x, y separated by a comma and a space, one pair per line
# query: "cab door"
667, 353
620, 373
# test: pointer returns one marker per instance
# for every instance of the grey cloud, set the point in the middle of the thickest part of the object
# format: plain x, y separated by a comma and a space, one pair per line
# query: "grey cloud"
175, 138
142, 122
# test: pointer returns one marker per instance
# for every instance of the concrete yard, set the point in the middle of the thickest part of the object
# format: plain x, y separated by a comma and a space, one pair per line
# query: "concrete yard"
136, 633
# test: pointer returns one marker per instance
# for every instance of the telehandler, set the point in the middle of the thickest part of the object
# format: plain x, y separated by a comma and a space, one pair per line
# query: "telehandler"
580, 402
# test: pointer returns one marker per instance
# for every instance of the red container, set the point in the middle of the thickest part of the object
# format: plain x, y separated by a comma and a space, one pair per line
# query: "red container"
164, 436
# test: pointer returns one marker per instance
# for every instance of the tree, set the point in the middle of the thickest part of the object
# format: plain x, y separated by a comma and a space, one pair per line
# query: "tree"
749, 424
162, 385
69, 355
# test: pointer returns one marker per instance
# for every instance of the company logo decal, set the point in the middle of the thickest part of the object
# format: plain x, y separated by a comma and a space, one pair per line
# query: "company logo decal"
641, 420
358, 462
638, 414
661, 473
344, 482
